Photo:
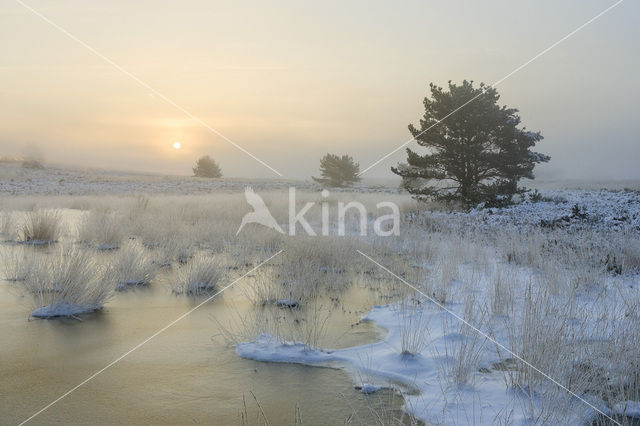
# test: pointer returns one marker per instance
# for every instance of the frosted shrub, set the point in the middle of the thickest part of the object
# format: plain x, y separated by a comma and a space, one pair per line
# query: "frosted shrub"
67, 283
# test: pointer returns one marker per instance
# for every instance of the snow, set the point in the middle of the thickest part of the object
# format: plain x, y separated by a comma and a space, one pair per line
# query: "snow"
604, 208
368, 388
15, 180
628, 408
431, 393
287, 303
131, 283
427, 376
38, 242
266, 348
63, 309
424, 376
107, 247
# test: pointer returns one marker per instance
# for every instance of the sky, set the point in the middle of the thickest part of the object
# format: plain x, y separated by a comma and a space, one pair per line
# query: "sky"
289, 81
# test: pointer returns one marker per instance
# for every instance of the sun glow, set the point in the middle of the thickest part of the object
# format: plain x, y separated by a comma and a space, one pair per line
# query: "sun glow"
177, 145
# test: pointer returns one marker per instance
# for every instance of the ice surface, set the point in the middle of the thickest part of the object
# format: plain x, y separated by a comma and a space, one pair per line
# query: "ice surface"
63, 309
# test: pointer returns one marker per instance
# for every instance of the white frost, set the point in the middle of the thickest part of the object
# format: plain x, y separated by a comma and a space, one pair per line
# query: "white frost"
63, 310
438, 400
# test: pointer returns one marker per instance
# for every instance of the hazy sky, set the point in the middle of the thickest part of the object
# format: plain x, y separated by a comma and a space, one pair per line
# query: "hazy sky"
292, 80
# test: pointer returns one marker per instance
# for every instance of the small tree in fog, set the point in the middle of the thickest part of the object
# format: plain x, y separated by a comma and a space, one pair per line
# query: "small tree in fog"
207, 167
338, 171
477, 154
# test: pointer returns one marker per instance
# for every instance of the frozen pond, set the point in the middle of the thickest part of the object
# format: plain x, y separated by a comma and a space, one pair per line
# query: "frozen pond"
186, 375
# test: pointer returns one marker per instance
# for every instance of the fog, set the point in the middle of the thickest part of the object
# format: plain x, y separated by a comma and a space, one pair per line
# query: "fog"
291, 81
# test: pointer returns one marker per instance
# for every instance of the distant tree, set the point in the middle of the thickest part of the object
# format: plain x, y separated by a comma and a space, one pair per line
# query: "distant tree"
207, 167
338, 171
478, 154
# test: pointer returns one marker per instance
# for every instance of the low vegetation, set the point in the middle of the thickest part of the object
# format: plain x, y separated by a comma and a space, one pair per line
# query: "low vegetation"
131, 267
103, 228
41, 227
561, 298
198, 276
67, 283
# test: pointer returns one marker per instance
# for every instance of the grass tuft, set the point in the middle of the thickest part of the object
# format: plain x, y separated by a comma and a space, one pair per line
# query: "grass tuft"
67, 283
41, 227
198, 276
131, 267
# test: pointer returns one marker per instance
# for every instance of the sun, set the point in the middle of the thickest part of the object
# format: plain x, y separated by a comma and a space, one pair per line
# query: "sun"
177, 145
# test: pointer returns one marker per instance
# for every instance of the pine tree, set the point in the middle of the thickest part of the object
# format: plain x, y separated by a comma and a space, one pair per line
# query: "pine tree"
207, 167
338, 171
476, 155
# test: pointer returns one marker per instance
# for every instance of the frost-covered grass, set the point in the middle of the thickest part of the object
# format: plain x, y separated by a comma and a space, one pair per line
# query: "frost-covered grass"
198, 276
131, 266
40, 227
5, 224
558, 290
66, 283
102, 227
174, 249
549, 296
414, 327
16, 263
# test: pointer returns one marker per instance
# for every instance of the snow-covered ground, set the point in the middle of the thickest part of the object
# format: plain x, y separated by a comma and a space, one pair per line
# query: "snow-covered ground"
560, 290
430, 376
470, 352
603, 208
16, 180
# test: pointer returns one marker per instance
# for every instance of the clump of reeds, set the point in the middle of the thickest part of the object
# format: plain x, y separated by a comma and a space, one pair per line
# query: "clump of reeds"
198, 276
102, 227
131, 267
66, 283
41, 227
17, 263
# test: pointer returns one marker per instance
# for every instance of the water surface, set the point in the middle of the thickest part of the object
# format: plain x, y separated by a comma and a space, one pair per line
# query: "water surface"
187, 375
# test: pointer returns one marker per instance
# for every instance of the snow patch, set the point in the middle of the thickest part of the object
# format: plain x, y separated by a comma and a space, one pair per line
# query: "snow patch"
431, 394
64, 309
267, 348
368, 388
628, 408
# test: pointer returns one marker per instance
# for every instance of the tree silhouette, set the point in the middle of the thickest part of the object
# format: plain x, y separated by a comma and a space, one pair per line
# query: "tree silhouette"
207, 167
338, 171
478, 154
